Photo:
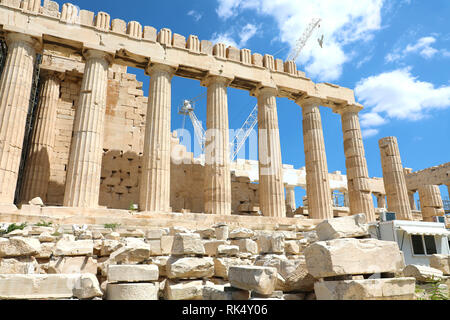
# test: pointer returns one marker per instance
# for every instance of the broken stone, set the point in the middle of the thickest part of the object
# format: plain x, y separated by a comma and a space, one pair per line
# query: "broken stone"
25, 265
259, 279
46, 251
422, 273
187, 244
241, 233
206, 233
161, 263
132, 291
113, 236
222, 232
370, 289
353, 256
156, 234
36, 202
246, 245
74, 248
68, 265
46, 237
19, 246
226, 250
131, 254
189, 267
212, 245
109, 246
222, 265
42, 286
87, 287
166, 244
344, 227
216, 292
133, 273
441, 262
186, 290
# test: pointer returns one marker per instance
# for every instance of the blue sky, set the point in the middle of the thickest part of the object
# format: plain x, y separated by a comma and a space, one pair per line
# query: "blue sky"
395, 54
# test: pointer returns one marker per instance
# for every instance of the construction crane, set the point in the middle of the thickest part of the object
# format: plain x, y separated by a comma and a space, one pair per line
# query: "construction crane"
188, 109
301, 42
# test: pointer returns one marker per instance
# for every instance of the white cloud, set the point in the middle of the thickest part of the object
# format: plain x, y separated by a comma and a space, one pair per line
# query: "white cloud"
367, 133
247, 33
343, 22
398, 95
194, 14
224, 38
422, 47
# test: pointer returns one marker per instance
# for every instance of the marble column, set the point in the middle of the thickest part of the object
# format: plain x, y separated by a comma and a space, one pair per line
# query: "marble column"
85, 161
15, 90
394, 179
431, 202
37, 169
317, 181
290, 199
217, 180
271, 189
359, 192
155, 177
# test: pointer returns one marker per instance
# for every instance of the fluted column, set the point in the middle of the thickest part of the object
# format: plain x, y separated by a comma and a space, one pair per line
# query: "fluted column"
85, 161
431, 202
355, 161
317, 181
155, 177
37, 169
217, 180
15, 91
271, 189
290, 199
394, 179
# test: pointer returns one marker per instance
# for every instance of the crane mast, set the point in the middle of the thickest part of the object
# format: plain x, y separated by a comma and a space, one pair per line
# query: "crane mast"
301, 42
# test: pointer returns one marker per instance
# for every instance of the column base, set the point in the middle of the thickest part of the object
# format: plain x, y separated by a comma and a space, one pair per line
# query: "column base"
7, 208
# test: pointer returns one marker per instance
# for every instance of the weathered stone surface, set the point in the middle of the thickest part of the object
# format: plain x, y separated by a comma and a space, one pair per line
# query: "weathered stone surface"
156, 234
25, 265
161, 263
441, 262
344, 227
206, 233
259, 279
187, 244
133, 273
222, 265
370, 289
131, 254
46, 250
226, 250
189, 268
212, 245
422, 273
87, 287
109, 246
132, 291
353, 256
270, 242
74, 248
46, 286
166, 244
222, 232
186, 290
46, 237
241, 233
246, 245
36, 202
19, 246
68, 265
216, 292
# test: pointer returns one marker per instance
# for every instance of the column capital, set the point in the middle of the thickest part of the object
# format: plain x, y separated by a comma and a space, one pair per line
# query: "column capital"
52, 74
264, 90
155, 67
348, 108
13, 37
98, 54
308, 101
211, 78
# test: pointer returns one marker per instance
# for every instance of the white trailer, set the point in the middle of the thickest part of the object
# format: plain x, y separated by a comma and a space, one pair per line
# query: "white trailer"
417, 240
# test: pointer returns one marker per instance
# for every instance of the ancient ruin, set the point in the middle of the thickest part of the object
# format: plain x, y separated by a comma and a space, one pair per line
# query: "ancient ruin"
135, 216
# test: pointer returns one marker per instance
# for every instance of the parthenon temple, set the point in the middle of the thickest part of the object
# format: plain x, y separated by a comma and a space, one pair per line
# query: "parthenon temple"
77, 131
